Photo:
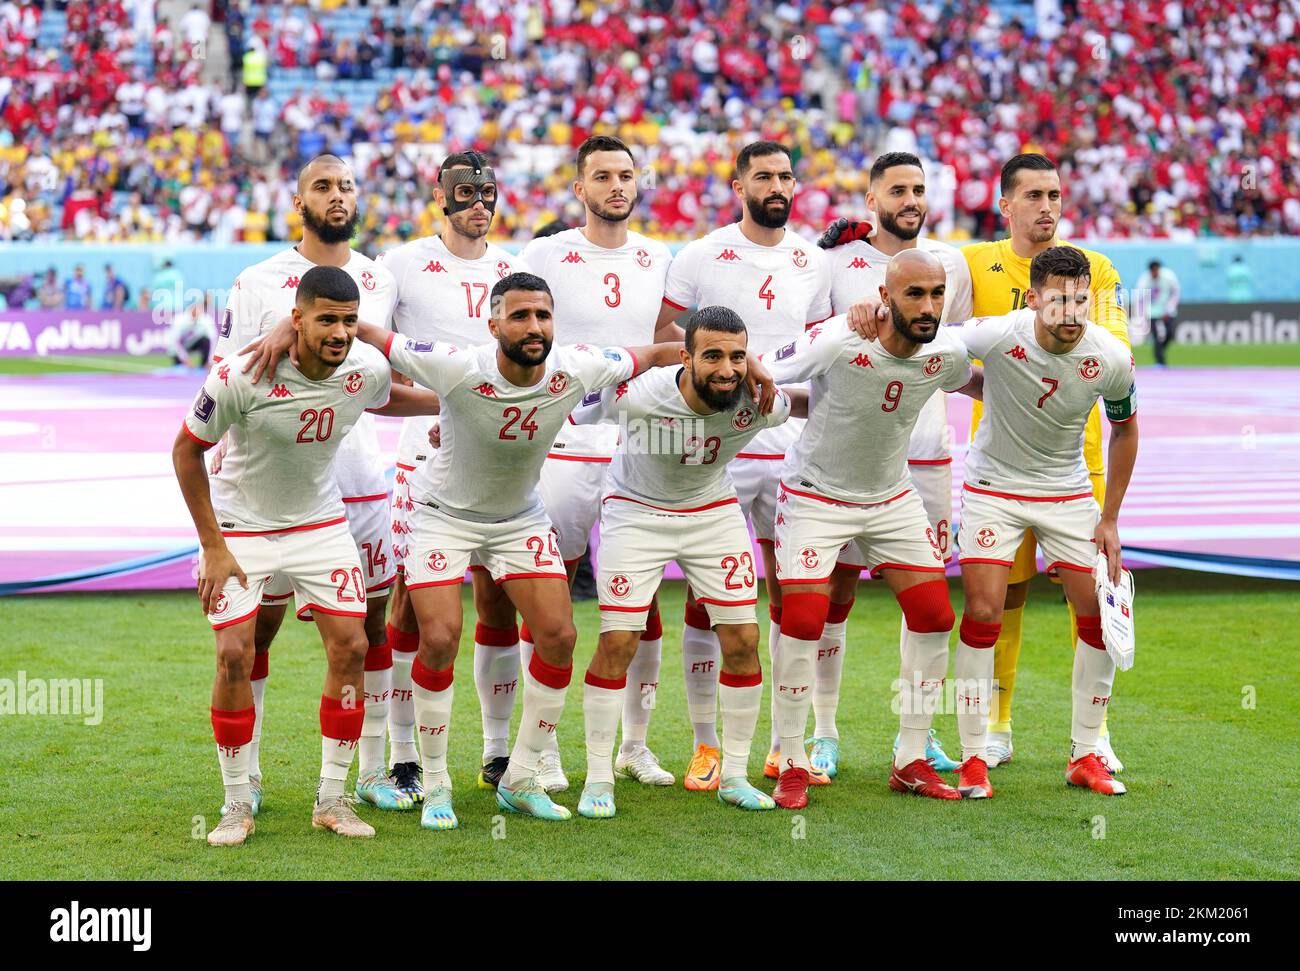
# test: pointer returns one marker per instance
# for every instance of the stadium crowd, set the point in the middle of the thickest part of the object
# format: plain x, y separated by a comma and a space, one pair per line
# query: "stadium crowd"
1168, 119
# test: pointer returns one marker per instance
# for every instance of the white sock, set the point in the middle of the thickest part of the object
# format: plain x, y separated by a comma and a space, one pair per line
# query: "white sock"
792, 697
1091, 684
923, 667
401, 711
543, 706
826, 687
254, 747
525, 659
496, 678
642, 687
234, 773
701, 658
773, 652
370, 751
973, 673
739, 719
335, 762
600, 707
433, 712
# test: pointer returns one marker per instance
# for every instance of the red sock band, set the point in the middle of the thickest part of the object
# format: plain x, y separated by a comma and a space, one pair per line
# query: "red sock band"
613, 684
774, 612
429, 679
407, 642
339, 722
838, 613
525, 634
379, 657
654, 627
231, 728
1090, 631
978, 634
549, 675
740, 680
496, 636
696, 616
927, 608
803, 615
261, 666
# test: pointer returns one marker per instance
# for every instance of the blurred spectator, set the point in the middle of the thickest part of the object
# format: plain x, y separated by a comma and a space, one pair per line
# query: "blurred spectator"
1241, 287
49, 293
116, 292
168, 290
255, 66
193, 333
1160, 285
76, 291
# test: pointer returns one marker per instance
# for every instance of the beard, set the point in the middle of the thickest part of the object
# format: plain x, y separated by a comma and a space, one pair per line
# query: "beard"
609, 215
717, 400
461, 221
325, 231
523, 358
768, 219
905, 326
890, 225
324, 353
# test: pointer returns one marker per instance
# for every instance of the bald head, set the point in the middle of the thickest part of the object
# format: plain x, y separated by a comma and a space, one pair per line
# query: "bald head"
914, 288
327, 200
913, 264
317, 166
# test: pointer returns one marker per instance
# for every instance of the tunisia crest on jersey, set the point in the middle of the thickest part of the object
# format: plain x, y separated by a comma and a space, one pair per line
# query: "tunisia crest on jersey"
799, 258
353, 385
619, 586
558, 384
742, 419
1090, 369
643, 258
503, 269
437, 561
367, 279
933, 365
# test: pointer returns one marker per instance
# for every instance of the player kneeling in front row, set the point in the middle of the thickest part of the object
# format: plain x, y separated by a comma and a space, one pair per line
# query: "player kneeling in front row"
670, 499
274, 511
1045, 368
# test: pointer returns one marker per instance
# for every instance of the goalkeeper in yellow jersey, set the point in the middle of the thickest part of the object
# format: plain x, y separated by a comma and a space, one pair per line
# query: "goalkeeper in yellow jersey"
1031, 204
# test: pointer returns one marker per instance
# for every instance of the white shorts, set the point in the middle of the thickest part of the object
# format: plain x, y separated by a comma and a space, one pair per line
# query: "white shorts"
442, 546
933, 483
571, 490
370, 530
711, 545
756, 482
993, 526
400, 543
811, 530
319, 566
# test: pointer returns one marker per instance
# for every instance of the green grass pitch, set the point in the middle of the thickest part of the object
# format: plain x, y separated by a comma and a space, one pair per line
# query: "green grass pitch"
1205, 723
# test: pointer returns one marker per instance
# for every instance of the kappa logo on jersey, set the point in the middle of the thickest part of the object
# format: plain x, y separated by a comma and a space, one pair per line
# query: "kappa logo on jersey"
353, 385
742, 419
863, 361
643, 258
582, 347
799, 258
279, 391
436, 561
813, 332
933, 365
203, 406
620, 391
573, 257
995, 268
486, 390
368, 280
786, 351
558, 384
223, 604
1090, 369
858, 263
1018, 353
727, 255
619, 586
986, 538
503, 269
809, 558
434, 266
290, 284
223, 372
228, 321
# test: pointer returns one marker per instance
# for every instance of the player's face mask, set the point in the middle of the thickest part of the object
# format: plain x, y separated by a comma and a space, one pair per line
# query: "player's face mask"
464, 187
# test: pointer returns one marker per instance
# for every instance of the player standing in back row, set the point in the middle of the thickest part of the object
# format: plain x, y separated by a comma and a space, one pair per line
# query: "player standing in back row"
779, 283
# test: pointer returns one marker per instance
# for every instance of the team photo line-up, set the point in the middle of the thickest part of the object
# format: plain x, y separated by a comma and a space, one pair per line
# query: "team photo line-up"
755, 380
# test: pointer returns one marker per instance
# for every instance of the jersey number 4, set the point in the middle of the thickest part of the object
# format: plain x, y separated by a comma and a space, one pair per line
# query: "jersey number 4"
512, 415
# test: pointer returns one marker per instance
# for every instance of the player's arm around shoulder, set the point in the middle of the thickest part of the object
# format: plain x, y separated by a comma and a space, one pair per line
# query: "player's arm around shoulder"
436, 365
958, 376
812, 354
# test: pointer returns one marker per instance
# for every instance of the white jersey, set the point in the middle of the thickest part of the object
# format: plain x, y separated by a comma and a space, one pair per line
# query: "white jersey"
284, 436
863, 403
264, 294
1036, 404
859, 272
441, 297
495, 435
672, 457
779, 291
602, 296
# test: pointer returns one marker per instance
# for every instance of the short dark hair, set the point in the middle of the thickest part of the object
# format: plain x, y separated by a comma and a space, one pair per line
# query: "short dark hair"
601, 143
722, 319
551, 228
753, 150
519, 281
1027, 161
329, 283
1154, 265
472, 160
1062, 261
891, 159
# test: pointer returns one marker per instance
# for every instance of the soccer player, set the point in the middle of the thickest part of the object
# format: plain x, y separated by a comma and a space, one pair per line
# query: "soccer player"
502, 405
780, 284
274, 515
442, 286
897, 197
262, 296
670, 499
1045, 368
1031, 203
846, 479
609, 287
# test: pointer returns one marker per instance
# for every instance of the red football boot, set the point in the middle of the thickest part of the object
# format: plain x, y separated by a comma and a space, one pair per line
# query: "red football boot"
920, 779
1090, 772
791, 790
973, 779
